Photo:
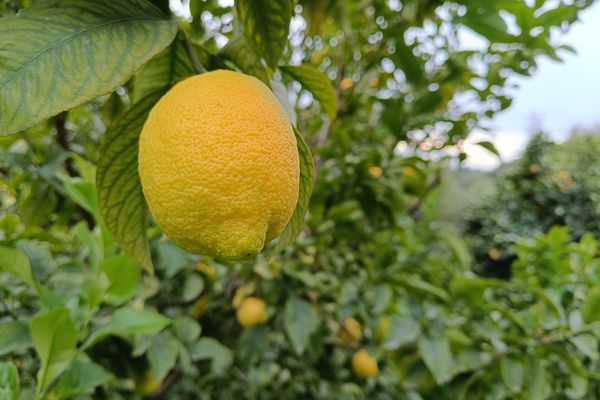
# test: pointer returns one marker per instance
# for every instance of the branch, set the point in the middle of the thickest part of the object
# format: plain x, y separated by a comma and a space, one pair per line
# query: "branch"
62, 138
191, 52
167, 383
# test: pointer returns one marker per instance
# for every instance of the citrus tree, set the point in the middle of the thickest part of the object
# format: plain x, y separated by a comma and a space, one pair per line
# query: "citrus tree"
360, 295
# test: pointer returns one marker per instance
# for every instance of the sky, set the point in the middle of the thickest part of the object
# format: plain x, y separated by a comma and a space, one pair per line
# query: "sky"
559, 97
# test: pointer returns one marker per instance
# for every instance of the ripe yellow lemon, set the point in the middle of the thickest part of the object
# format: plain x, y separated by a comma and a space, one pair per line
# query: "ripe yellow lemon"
219, 165
251, 312
364, 365
351, 331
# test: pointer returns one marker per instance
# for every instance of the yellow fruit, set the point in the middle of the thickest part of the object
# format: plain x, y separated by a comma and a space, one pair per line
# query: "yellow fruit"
251, 312
146, 385
351, 331
346, 83
408, 171
219, 165
383, 327
364, 365
376, 172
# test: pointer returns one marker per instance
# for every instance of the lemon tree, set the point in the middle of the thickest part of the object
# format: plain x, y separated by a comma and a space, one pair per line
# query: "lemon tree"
165, 231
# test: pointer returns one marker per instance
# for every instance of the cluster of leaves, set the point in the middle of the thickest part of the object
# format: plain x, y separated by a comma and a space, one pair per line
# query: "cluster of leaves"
80, 318
552, 184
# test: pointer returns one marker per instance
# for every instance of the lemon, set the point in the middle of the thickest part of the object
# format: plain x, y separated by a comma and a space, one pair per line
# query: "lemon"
351, 331
364, 365
375, 171
219, 165
251, 312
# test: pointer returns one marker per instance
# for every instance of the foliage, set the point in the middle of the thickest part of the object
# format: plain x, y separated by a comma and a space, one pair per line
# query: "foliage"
396, 94
552, 184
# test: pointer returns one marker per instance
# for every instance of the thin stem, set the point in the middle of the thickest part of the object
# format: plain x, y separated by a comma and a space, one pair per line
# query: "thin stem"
189, 49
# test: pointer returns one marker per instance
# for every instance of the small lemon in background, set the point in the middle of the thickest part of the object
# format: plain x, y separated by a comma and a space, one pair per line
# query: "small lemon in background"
251, 311
375, 172
364, 365
351, 331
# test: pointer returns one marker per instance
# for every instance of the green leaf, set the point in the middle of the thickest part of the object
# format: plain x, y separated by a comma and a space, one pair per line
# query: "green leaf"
16, 262
10, 386
119, 189
163, 71
123, 275
55, 340
81, 378
73, 51
193, 286
162, 355
266, 25
300, 321
82, 192
172, 258
14, 336
489, 146
403, 330
512, 371
587, 344
590, 309
435, 350
316, 82
187, 329
128, 321
538, 385
488, 23
471, 287
418, 285
411, 65
39, 204
210, 349
281, 92
240, 53
557, 16
296, 224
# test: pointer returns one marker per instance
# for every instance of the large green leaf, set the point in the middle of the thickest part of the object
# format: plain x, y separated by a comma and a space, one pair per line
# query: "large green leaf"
488, 23
58, 54
435, 350
55, 340
164, 70
120, 193
590, 309
14, 335
129, 321
81, 377
294, 227
162, 355
10, 386
266, 25
16, 262
210, 349
240, 53
123, 275
300, 321
512, 372
316, 82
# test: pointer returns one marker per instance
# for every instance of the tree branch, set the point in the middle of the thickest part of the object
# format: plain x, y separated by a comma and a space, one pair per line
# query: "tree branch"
62, 138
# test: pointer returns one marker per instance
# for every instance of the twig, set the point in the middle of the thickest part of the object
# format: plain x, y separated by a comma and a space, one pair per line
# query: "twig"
62, 138
167, 383
189, 49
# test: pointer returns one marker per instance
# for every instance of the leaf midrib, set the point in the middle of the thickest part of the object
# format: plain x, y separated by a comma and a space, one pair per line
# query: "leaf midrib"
68, 38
